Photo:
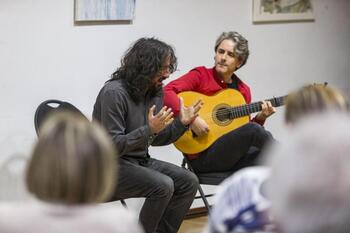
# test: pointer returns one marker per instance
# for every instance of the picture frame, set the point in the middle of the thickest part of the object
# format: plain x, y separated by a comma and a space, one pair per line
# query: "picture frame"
265, 11
104, 10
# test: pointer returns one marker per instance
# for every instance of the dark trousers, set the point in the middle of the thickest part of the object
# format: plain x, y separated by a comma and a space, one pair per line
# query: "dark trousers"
169, 191
233, 150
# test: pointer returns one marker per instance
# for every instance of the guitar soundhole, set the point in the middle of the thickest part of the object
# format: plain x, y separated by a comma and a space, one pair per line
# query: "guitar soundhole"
221, 115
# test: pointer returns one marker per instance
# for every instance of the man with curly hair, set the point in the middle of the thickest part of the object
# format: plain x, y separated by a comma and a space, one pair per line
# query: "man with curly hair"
130, 107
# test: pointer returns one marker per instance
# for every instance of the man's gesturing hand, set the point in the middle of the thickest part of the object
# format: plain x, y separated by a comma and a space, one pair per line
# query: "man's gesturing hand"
188, 114
161, 120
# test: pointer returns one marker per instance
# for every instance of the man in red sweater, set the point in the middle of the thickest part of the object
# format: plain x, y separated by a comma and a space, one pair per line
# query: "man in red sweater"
230, 151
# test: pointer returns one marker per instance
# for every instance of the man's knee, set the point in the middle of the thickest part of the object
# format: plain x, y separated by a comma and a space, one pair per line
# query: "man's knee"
164, 187
257, 129
191, 181
260, 134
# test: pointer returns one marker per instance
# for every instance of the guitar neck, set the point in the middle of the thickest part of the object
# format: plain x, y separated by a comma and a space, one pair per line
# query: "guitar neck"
244, 110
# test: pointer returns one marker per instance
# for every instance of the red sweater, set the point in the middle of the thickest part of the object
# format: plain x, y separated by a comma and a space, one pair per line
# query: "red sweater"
204, 81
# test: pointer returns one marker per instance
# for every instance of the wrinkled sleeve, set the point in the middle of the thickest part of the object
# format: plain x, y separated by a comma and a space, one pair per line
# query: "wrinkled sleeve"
170, 134
114, 112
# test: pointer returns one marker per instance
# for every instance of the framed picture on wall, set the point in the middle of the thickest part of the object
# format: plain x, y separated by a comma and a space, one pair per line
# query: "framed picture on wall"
282, 10
104, 10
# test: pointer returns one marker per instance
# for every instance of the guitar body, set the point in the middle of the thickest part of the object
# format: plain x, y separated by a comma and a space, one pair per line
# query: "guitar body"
214, 112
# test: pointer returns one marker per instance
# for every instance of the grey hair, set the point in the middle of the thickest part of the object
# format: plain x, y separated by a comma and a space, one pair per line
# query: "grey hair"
310, 178
241, 49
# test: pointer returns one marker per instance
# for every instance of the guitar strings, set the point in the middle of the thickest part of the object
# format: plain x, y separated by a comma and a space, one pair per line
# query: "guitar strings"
223, 112
244, 110
235, 112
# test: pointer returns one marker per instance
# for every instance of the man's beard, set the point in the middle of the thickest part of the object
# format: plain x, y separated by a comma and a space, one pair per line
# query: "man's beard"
155, 89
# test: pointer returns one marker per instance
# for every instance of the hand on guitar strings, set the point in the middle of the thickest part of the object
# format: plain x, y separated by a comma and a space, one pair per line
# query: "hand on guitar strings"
188, 114
266, 110
161, 120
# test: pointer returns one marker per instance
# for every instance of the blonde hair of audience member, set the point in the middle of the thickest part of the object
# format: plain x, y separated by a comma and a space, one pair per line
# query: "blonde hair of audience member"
73, 162
310, 178
312, 99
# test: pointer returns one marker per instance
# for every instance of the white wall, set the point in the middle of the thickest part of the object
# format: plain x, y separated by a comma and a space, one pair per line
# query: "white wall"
44, 55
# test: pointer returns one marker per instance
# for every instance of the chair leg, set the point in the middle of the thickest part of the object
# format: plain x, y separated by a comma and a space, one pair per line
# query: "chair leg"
207, 206
123, 203
203, 196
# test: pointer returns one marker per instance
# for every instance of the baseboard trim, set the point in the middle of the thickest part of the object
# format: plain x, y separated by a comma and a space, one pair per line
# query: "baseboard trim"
196, 212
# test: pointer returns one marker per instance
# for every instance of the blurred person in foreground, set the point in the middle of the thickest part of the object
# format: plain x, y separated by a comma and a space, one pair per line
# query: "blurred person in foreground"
243, 203
309, 184
71, 169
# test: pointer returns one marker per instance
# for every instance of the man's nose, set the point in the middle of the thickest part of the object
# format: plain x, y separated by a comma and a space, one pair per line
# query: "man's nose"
223, 56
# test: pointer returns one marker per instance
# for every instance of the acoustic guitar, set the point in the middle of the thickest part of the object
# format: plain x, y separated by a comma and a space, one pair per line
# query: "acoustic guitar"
223, 112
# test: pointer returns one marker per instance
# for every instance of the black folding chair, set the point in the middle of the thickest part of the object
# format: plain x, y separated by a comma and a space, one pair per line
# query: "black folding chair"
211, 178
50, 106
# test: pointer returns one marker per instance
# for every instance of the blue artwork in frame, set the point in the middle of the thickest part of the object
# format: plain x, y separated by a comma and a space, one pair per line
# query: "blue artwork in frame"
104, 10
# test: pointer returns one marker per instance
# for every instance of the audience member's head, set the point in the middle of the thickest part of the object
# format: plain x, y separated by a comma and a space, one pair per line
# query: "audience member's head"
73, 162
241, 205
315, 98
310, 179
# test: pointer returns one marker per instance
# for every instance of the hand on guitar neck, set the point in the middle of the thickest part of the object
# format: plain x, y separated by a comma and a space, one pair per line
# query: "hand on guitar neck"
266, 110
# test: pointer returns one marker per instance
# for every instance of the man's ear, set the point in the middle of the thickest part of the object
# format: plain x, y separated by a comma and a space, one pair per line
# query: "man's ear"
239, 64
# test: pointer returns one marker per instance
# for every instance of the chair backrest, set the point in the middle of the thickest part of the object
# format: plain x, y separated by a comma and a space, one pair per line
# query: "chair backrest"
49, 106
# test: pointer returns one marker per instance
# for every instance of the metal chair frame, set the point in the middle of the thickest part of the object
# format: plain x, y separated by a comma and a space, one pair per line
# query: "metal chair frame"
214, 178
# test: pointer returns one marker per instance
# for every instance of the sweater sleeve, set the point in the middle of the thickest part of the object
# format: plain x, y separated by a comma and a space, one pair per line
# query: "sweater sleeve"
170, 134
114, 110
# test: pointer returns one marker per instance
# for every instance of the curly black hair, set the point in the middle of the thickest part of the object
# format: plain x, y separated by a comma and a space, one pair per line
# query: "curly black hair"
141, 63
